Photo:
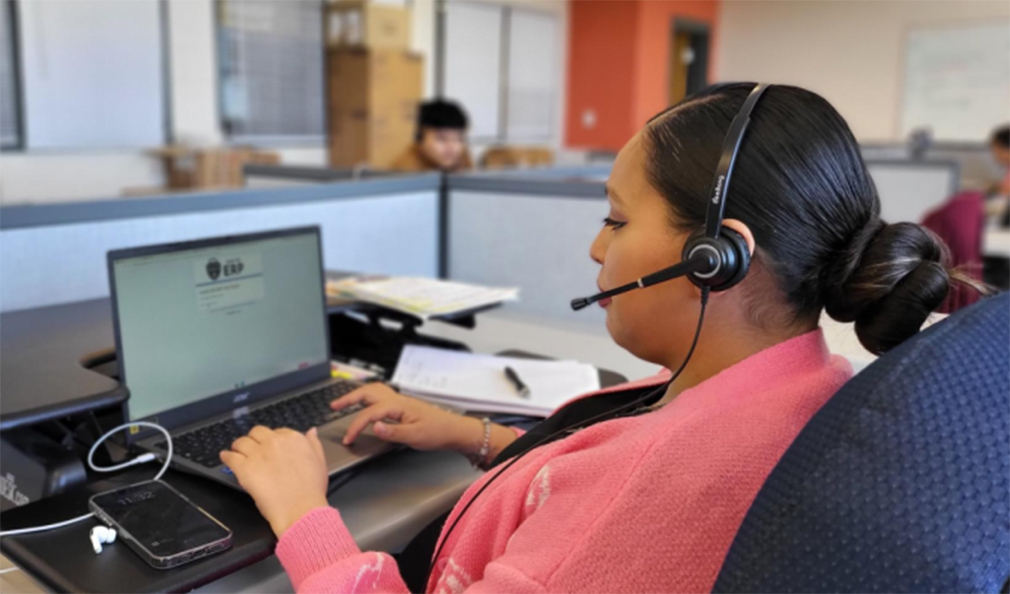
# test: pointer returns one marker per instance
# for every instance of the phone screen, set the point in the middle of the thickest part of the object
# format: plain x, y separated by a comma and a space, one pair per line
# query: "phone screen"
160, 519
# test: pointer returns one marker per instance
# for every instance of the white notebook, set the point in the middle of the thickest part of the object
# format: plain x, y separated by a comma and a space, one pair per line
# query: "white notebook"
422, 297
478, 382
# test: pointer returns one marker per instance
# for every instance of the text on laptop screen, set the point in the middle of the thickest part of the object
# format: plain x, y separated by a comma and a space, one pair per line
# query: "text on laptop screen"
199, 322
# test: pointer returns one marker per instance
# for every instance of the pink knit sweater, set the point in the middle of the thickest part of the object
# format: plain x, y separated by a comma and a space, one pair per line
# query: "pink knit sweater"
648, 503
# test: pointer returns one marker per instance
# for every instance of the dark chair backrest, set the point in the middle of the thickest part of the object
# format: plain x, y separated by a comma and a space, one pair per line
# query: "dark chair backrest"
901, 483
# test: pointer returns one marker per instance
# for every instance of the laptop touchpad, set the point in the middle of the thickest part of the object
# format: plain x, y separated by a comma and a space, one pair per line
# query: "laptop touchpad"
332, 436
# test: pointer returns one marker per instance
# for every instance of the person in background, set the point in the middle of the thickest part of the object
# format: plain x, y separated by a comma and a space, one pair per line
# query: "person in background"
440, 143
998, 203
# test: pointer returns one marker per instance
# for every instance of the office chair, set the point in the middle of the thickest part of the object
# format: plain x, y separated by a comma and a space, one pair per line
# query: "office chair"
901, 483
960, 223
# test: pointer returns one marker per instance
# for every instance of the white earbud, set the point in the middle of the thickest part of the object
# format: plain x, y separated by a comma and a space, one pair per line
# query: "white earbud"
100, 535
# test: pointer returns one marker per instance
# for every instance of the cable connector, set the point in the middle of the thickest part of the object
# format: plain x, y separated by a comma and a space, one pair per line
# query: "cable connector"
145, 458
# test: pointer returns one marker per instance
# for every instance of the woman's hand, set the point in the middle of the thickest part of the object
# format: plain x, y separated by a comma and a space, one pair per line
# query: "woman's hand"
419, 425
284, 471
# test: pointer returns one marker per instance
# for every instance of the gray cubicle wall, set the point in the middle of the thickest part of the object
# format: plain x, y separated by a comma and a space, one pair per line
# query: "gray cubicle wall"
53, 254
910, 189
978, 170
532, 229
528, 231
883, 151
286, 176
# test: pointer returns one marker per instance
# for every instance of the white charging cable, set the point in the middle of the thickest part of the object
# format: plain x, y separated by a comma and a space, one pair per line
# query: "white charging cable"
142, 459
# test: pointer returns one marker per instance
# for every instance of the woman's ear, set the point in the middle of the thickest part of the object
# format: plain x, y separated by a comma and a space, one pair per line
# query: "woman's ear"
739, 226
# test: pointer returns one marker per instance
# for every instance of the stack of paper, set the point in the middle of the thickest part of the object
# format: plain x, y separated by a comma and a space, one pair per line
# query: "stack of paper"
421, 297
478, 382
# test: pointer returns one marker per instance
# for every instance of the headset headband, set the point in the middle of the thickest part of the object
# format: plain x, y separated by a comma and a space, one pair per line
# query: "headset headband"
730, 148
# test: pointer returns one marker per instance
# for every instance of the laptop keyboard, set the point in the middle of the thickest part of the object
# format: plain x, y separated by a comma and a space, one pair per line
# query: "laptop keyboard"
301, 413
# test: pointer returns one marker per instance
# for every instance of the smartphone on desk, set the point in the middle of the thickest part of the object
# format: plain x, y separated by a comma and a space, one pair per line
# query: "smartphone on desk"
160, 524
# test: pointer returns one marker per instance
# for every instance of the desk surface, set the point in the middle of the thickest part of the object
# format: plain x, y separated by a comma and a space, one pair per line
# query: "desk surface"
393, 497
42, 352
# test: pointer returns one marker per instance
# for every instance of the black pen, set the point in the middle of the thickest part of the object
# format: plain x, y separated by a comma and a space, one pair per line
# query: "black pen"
524, 392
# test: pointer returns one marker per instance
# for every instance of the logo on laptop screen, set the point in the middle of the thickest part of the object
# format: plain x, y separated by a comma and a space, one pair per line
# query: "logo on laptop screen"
231, 267
226, 281
213, 269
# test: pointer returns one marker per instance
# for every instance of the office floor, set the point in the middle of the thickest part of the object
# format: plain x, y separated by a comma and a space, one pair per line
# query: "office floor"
16, 581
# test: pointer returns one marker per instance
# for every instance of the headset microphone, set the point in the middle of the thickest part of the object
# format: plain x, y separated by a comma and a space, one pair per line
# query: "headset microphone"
699, 262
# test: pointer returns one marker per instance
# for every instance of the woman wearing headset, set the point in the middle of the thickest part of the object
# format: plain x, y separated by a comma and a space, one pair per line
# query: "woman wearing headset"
642, 488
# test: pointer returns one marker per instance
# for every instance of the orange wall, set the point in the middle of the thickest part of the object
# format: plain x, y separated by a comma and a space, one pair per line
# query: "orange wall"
600, 74
652, 51
618, 64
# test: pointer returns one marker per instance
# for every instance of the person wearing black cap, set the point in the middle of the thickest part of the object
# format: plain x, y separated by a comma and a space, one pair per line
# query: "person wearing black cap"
440, 142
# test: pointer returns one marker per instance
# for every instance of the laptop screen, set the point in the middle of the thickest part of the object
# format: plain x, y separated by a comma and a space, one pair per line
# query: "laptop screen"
198, 322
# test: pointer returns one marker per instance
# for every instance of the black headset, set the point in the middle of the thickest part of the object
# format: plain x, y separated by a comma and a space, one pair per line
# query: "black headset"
715, 257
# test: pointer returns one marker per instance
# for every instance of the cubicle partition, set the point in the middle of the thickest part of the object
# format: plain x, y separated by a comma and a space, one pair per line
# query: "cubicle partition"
978, 168
910, 189
286, 176
883, 151
533, 228
526, 228
52, 254
530, 230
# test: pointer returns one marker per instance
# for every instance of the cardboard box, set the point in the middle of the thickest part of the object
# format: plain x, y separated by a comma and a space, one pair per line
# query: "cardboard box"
373, 96
512, 157
189, 167
360, 23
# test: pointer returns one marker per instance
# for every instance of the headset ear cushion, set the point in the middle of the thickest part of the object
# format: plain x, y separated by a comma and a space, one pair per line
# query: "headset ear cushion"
738, 244
734, 256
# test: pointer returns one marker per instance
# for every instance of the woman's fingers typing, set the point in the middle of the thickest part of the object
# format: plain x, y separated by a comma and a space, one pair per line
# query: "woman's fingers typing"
313, 436
371, 414
368, 394
244, 445
414, 422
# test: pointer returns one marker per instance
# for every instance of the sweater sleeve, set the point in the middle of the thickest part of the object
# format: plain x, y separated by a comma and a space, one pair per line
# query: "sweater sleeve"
320, 555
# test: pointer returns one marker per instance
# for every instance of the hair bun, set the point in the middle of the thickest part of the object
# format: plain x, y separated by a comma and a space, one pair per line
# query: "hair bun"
889, 283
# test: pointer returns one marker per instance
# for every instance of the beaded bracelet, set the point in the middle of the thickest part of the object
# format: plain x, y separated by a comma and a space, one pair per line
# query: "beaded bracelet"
479, 460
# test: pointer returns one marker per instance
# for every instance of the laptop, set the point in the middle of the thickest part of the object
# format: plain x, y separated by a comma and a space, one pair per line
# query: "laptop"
219, 335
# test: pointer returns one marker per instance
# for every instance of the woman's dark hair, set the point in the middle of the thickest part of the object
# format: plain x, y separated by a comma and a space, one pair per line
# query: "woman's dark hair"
800, 184
1001, 136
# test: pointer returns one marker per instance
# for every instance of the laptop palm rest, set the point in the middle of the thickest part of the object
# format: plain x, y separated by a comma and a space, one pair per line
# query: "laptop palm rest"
339, 456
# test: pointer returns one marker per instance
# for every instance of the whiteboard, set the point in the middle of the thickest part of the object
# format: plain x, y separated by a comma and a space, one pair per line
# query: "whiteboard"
473, 64
957, 81
93, 73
